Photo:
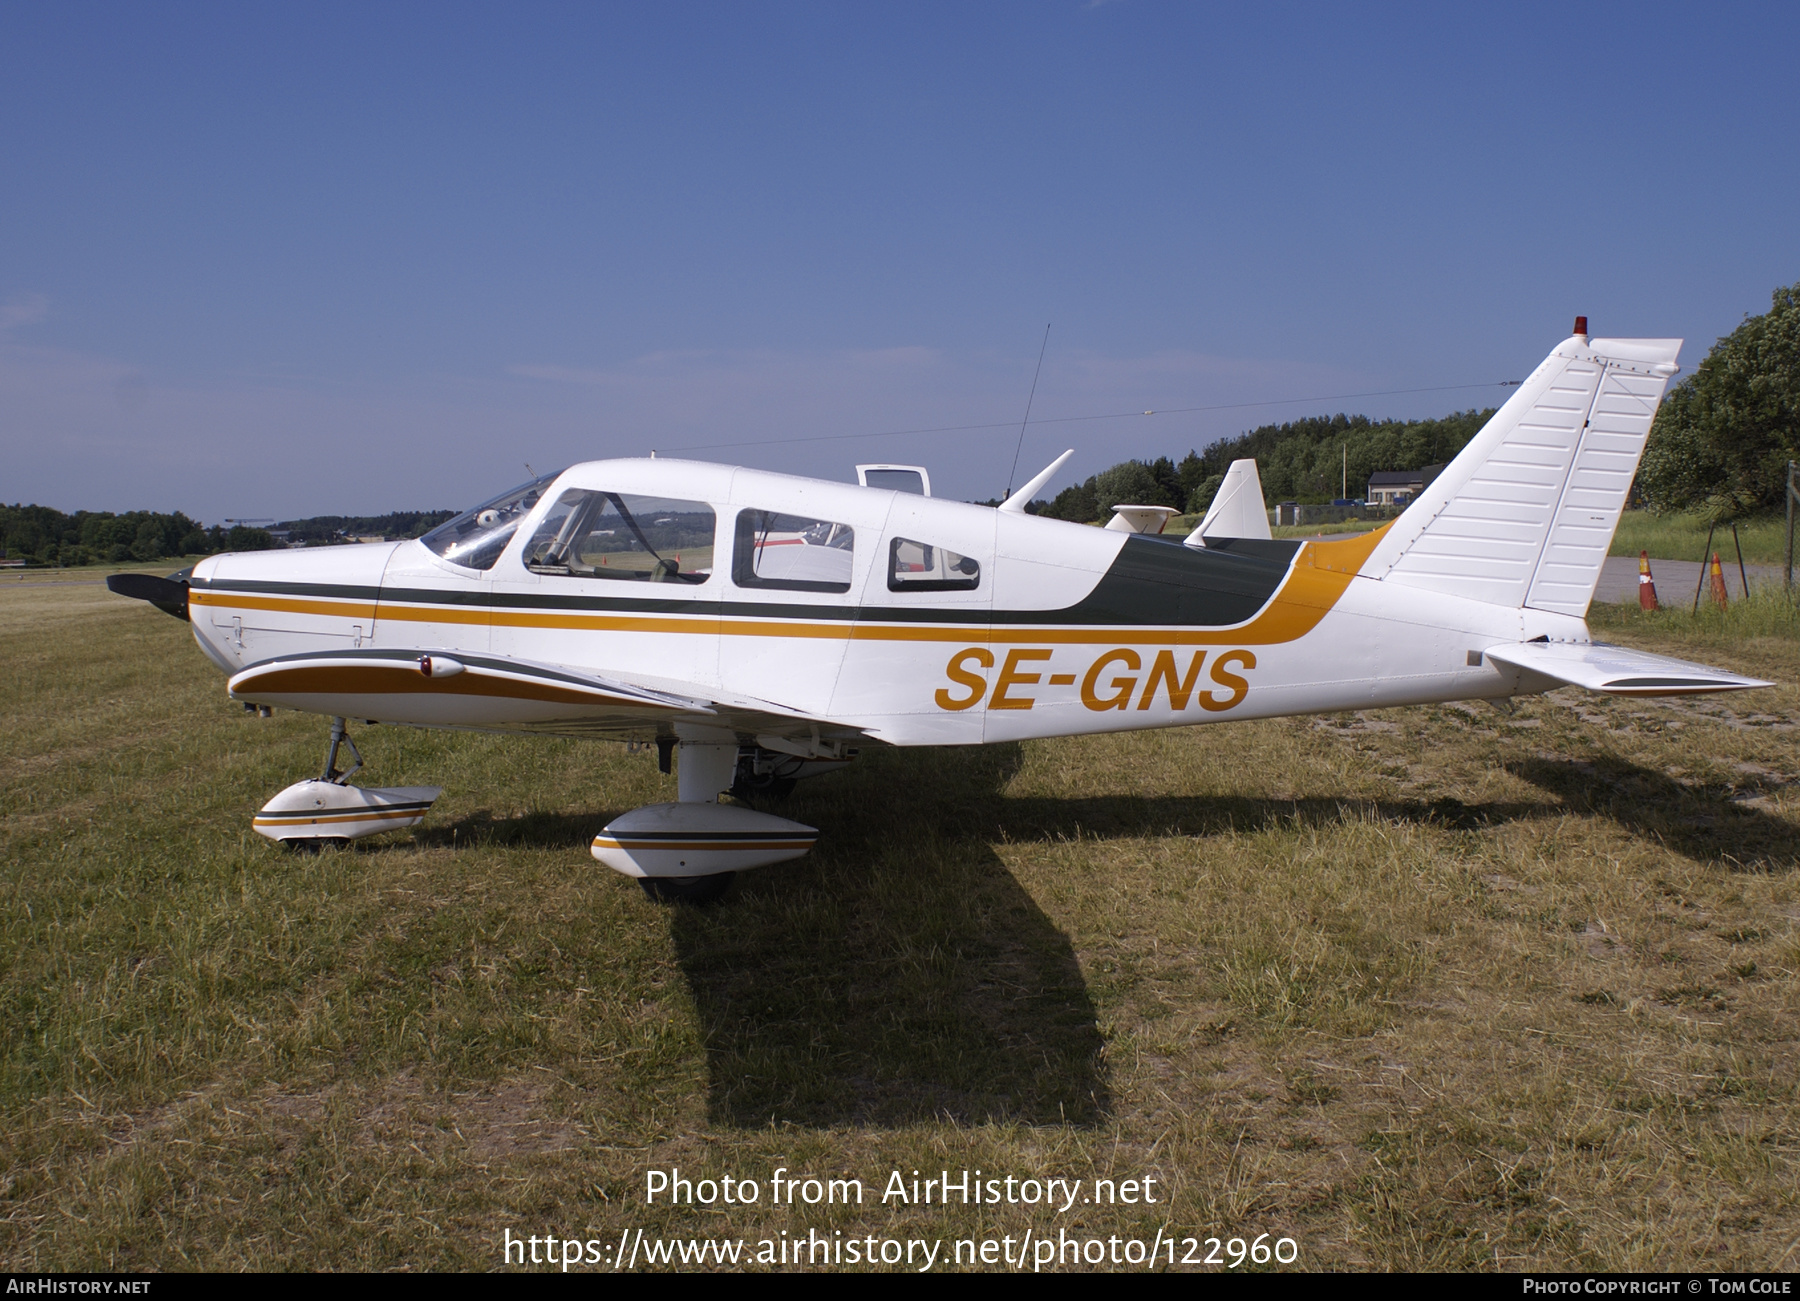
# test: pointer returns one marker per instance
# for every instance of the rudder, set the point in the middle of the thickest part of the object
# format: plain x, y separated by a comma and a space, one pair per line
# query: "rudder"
1525, 514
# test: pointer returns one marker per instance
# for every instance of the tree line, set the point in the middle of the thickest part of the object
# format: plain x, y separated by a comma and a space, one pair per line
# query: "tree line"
45, 536
1299, 460
324, 530
1725, 434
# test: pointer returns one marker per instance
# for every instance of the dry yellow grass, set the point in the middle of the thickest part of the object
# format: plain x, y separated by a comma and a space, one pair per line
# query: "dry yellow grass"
1433, 988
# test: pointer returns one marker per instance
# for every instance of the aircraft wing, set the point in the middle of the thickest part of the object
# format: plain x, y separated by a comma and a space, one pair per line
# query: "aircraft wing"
501, 694
1618, 671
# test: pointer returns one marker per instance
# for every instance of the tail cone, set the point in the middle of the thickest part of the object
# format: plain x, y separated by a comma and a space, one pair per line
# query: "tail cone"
1718, 583
1646, 584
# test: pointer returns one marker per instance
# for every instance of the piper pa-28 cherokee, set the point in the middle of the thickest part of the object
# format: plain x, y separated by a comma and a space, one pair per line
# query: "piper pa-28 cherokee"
768, 624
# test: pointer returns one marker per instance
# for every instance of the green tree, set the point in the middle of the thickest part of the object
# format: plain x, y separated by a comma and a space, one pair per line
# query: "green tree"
1202, 494
1724, 435
1304, 460
1075, 504
149, 542
1132, 483
243, 538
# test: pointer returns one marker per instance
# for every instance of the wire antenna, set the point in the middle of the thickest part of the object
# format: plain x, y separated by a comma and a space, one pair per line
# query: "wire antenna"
1103, 415
1027, 420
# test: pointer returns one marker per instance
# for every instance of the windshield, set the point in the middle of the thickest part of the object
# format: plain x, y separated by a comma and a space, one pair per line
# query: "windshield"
475, 538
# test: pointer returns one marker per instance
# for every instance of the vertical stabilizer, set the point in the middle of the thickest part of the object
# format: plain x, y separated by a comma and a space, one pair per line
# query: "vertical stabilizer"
1526, 512
1237, 509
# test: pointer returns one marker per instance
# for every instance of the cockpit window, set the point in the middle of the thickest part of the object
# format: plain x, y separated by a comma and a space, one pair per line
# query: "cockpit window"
475, 538
591, 534
792, 552
921, 567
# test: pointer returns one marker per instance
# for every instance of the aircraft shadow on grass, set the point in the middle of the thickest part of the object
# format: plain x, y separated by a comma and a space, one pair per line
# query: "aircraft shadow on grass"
901, 974
898, 975
1708, 822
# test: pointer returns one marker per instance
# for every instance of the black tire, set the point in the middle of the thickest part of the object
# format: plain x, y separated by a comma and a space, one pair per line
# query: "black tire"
686, 889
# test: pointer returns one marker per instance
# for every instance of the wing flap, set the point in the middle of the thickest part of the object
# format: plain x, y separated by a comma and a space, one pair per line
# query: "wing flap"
1617, 671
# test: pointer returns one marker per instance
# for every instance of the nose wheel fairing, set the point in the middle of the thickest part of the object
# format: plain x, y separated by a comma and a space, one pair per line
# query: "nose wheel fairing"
323, 810
327, 807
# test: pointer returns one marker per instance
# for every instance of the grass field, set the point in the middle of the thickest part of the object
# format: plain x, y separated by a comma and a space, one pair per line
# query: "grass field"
1455, 987
1683, 537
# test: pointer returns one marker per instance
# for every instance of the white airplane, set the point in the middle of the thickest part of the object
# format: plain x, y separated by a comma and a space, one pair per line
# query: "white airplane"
769, 625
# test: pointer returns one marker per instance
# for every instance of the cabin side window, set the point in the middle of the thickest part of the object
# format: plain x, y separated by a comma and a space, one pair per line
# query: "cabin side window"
921, 567
792, 552
623, 536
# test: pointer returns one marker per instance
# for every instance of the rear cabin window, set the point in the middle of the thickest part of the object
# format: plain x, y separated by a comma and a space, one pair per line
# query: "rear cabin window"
623, 536
792, 553
921, 567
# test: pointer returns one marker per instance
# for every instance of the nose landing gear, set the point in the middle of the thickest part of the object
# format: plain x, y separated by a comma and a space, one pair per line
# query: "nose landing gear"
326, 809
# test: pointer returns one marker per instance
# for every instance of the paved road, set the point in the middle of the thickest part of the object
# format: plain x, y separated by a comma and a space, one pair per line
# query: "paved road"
1675, 579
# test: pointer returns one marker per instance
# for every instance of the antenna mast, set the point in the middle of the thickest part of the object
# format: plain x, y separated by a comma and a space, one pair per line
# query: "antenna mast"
1027, 419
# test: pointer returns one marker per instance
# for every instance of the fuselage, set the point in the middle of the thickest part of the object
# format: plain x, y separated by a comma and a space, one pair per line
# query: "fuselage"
907, 619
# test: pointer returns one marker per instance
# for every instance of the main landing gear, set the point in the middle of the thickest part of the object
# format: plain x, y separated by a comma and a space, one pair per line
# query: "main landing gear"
688, 851
765, 775
328, 810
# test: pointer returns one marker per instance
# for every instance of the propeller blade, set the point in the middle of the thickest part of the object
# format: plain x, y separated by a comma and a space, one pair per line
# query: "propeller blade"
170, 595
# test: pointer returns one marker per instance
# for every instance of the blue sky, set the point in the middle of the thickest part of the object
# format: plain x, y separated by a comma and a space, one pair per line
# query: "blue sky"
276, 260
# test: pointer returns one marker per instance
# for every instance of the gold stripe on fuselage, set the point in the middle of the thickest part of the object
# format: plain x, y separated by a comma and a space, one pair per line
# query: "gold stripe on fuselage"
1320, 575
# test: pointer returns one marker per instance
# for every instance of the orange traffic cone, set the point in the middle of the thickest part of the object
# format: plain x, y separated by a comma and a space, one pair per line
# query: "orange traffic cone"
1646, 584
1718, 583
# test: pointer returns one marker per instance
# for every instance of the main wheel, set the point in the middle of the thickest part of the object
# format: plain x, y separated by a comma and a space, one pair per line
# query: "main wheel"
686, 889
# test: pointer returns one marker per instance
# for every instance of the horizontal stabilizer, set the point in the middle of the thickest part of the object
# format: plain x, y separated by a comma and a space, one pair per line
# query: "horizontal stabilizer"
1618, 671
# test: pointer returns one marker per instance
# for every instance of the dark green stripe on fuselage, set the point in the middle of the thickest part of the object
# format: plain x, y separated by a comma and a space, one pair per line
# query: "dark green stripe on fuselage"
1153, 582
